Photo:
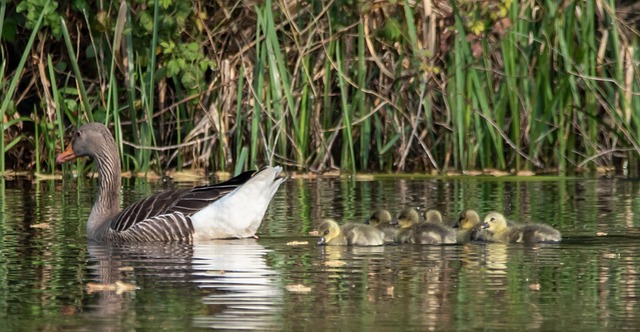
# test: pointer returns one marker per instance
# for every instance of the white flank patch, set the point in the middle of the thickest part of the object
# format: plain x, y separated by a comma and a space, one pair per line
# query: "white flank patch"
239, 213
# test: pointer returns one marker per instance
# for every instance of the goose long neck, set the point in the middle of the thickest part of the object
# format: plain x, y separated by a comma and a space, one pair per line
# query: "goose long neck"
107, 202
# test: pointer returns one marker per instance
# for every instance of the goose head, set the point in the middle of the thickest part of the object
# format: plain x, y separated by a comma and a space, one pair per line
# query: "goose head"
92, 140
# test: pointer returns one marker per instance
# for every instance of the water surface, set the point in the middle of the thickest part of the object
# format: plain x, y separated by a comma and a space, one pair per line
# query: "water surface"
52, 279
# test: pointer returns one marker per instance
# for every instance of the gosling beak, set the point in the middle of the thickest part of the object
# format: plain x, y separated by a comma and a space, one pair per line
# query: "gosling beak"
485, 225
394, 221
456, 225
322, 241
66, 155
366, 221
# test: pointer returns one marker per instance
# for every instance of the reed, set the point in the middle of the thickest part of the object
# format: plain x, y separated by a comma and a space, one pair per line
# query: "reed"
359, 102
6, 143
84, 98
318, 86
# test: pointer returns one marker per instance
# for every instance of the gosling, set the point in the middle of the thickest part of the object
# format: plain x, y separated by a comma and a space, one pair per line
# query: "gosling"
469, 228
381, 219
410, 231
495, 223
433, 216
349, 234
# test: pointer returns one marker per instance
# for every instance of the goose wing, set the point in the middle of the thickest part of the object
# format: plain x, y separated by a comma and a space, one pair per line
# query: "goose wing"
180, 201
172, 227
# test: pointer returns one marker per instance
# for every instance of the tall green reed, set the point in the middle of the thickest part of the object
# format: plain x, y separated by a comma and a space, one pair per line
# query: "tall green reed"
361, 91
8, 95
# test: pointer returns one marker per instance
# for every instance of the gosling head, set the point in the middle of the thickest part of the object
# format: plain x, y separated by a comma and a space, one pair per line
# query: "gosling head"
407, 218
468, 219
379, 217
433, 216
328, 230
495, 222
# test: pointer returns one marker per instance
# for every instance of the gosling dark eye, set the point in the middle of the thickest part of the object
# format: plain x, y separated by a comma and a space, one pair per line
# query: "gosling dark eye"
493, 219
77, 134
326, 232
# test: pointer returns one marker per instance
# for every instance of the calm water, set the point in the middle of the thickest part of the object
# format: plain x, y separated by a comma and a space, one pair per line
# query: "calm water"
52, 279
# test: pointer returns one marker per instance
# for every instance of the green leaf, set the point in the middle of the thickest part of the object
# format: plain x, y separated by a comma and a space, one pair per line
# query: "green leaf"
12, 143
193, 47
80, 5
71, 104
24, 5
391, 30
189, 80
173, 68
207, 64
146, 21
165, 3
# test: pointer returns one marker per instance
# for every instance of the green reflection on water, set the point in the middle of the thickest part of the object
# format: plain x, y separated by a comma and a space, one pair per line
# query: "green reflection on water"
586, 282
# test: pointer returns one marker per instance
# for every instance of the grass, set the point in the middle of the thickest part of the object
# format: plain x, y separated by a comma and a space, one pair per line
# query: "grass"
325, 86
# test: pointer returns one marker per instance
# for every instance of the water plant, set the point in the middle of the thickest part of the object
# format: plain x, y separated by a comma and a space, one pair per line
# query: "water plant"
349, 85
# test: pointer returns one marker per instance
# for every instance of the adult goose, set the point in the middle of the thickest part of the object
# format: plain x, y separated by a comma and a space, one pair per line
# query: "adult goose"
231, 209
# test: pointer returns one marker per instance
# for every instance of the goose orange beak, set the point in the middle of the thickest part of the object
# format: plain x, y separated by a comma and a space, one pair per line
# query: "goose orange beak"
66, 155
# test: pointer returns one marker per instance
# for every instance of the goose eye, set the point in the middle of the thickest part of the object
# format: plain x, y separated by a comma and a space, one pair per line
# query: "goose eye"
493, 219
326, 232
77, 134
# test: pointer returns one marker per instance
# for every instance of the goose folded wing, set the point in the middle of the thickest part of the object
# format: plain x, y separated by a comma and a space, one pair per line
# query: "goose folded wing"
173, 227
183, 201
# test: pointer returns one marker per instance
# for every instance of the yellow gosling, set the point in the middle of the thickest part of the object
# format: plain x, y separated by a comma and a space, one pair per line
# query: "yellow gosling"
504, 232
410, 231
433, 216
349, 234
469, 228
381, 219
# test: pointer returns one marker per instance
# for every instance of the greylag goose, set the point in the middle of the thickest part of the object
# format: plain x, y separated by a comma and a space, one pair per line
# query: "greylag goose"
381, 219
504, 232
349, 234
231, 209
411, 231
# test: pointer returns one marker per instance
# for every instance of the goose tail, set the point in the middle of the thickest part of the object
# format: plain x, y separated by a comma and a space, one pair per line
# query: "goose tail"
239, 214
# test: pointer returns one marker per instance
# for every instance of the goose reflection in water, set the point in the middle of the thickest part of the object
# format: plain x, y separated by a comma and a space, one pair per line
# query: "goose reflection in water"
240, 290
